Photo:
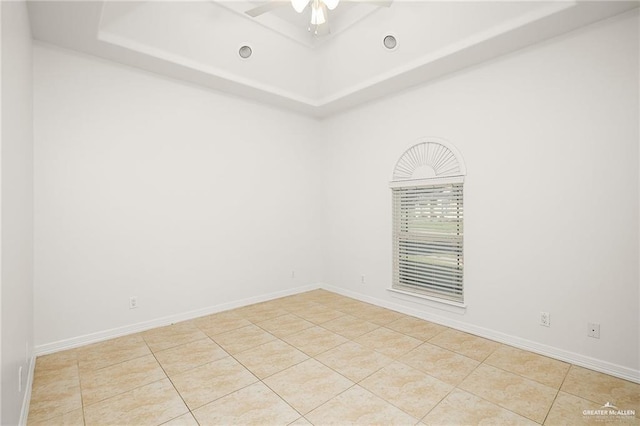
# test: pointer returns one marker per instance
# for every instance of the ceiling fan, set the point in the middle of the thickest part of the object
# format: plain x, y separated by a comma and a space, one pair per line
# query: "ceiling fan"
319, 23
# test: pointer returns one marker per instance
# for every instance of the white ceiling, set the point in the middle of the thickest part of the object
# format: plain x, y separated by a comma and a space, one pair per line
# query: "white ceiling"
198, 42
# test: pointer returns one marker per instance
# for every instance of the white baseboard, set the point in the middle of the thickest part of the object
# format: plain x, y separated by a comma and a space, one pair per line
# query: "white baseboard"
550, 351
26, 400
100, 336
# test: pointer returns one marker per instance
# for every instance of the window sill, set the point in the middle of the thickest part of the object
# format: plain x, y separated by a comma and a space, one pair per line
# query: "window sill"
458, 308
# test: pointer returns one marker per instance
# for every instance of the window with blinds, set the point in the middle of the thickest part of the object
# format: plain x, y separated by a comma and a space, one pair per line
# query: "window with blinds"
427, 240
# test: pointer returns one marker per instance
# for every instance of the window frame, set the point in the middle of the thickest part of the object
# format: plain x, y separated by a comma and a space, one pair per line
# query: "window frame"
431, 162
438, 254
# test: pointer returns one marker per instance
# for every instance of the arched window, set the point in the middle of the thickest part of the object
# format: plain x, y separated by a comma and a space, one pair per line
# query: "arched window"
427, 185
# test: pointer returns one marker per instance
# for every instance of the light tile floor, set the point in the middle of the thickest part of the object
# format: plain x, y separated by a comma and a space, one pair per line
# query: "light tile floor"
316, 358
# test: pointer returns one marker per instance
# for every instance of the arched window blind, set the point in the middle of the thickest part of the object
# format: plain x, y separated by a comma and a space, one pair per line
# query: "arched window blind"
428, 219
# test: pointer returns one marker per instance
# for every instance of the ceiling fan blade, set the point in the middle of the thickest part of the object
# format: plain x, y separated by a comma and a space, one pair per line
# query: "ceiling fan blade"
265, 7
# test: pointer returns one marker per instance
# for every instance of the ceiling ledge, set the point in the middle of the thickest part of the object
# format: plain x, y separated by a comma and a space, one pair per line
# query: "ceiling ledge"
553, 19
477, 50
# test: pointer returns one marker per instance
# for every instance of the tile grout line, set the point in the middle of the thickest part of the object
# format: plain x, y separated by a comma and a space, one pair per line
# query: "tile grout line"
222, 396
556, 395
522, 376
457, 387
84, 419
584, 397
335, 396
174, 386
357, 383
354, 383
255, 323
283, 400
453, 388
125, 391
119, 362
309, 357
393, 359
262, 381
303, 416
64, 412
458, 353
487, 357
495, 403
326, 304
228, 355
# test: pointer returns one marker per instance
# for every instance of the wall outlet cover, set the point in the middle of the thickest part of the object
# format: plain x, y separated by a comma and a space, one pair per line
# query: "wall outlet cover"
593, 330
545, 319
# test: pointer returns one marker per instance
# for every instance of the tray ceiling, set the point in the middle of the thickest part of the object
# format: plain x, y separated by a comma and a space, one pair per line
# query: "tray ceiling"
198, 42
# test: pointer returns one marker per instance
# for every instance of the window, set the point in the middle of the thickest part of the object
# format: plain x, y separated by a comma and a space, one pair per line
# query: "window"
427, 240
428, 222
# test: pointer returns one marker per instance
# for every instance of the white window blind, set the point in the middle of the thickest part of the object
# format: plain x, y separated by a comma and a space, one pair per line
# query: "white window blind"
428, 240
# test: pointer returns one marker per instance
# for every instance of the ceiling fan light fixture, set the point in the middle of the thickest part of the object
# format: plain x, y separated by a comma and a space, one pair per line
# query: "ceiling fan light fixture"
299, 5
331, 4
317, 14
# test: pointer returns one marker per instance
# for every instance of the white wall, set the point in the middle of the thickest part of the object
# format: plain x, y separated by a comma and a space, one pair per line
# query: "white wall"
188, 199
550, 140
16, 198
172, 193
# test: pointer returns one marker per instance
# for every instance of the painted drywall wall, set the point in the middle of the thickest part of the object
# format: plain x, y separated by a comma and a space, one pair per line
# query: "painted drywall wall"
16, 195
550, 140
186, 198
152, 188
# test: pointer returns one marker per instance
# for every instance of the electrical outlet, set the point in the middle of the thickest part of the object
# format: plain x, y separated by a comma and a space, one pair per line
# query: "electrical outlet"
20, 379
593, 330
293, 274
362, 279
133, 302
545, 319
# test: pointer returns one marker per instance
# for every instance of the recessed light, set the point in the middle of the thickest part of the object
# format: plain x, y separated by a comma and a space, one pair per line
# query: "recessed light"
390, 42
245, 52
